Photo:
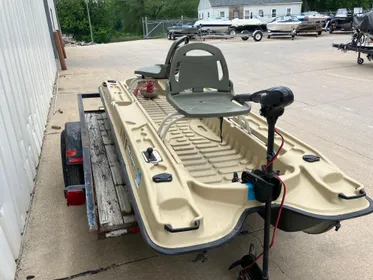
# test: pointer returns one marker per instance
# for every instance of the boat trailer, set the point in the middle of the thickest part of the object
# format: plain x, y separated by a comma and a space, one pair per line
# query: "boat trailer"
355, 48
92, 171
257, 35
292, 34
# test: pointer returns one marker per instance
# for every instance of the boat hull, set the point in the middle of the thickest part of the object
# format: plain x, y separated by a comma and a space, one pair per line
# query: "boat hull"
213, 26
183, 30
282, 26
202, 169
342, 24
307, 27
248, 28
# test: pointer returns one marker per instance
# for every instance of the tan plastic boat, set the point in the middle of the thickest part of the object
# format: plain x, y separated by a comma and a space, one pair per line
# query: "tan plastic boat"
183, 162
201, 193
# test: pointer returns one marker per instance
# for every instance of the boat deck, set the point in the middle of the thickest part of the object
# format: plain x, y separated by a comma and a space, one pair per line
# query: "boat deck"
202, 154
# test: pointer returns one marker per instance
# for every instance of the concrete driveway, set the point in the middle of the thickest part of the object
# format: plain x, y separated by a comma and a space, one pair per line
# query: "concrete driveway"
333, 113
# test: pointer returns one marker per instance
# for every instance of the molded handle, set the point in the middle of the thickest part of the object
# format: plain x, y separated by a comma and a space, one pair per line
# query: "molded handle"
169, 228
343, 196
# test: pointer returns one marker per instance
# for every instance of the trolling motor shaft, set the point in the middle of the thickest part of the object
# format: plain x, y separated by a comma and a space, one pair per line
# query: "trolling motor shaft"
273, 102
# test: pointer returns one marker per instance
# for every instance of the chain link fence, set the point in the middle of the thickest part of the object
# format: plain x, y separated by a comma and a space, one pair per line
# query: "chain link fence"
158, 28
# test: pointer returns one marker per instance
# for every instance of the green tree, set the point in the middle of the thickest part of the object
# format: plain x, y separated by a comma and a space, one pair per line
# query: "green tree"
73, 18
333, 5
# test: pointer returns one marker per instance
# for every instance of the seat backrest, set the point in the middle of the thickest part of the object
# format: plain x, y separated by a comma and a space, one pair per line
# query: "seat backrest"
174, 47
198, 72
167, 64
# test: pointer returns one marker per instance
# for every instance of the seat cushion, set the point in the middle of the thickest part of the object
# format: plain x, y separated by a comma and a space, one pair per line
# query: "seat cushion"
207, 104
155, 72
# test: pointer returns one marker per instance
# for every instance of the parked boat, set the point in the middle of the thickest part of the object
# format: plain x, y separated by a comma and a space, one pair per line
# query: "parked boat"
213, 25
342, 21
247, 25
283, 24
364, 23
176, 31
313, 16
309, 26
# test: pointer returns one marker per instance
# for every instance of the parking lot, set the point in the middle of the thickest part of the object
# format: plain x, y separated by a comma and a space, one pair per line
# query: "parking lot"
332, 112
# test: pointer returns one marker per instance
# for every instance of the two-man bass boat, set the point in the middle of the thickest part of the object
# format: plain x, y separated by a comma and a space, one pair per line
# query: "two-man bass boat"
194, 158
213, 25
176, 31
362, 39
284, 25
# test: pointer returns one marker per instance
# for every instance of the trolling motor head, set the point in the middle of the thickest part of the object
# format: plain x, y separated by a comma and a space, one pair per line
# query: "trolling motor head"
273, 100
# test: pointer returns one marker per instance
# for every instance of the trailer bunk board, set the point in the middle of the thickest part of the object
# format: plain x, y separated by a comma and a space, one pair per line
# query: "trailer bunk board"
108, 206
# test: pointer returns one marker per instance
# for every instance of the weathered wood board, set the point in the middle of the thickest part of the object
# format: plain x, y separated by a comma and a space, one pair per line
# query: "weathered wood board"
111, 194
109, 211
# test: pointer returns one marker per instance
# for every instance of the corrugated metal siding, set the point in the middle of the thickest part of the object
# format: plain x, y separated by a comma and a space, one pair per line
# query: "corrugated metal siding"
27, 74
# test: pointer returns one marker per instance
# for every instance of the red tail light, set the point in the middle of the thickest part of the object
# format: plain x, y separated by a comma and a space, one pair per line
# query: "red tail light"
134, 229
75, 197
76, 160
70, 153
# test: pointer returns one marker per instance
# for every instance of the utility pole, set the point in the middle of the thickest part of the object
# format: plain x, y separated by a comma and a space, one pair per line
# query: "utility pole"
89, 20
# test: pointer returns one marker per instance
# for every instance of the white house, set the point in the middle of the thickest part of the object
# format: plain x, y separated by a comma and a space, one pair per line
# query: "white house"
247, 8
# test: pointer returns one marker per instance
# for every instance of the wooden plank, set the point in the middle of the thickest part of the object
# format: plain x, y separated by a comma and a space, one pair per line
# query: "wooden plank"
106, 124
100, 116
101, 125
114, 164
106, 137
109, 211
124, 201
129, 219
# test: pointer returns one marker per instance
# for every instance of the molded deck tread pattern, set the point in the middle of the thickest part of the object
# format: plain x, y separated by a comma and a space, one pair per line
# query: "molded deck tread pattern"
209, 161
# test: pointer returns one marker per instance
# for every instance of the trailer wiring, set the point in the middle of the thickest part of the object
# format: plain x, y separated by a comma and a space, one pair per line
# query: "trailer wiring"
243, 271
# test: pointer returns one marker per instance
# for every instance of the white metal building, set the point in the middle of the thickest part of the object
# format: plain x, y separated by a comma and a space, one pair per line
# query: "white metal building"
247, 8
27, 75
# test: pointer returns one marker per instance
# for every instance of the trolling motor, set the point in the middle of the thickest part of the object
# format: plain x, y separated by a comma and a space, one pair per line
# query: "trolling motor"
267, 187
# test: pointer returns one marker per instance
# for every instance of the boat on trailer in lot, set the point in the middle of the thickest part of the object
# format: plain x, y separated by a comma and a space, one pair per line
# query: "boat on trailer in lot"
176, 31
309, 26
362, 39
212, 25
195, 161
248, 26
283, 26
342, 21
